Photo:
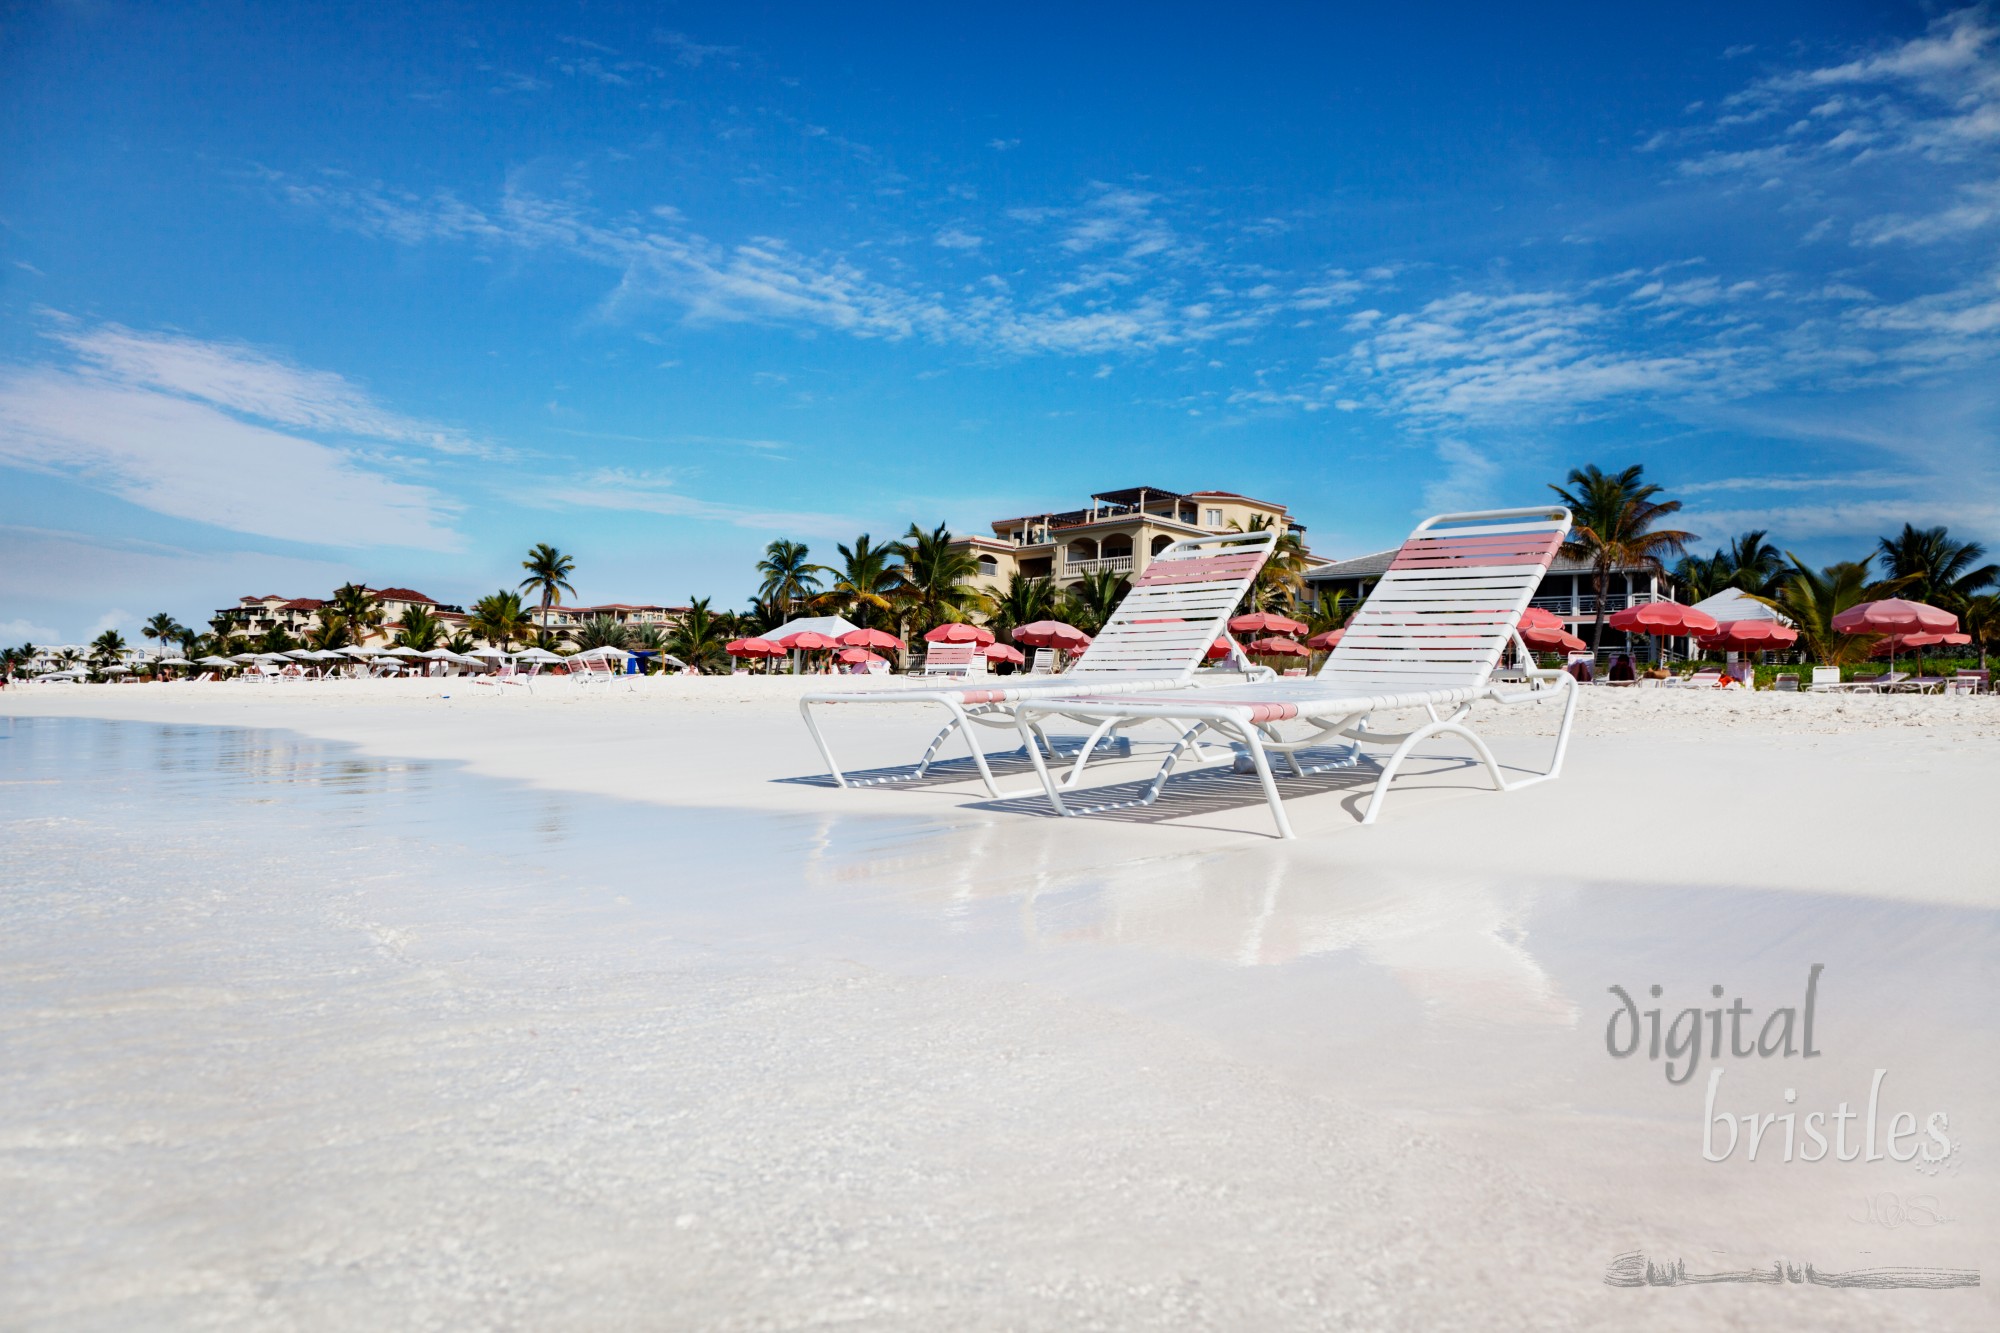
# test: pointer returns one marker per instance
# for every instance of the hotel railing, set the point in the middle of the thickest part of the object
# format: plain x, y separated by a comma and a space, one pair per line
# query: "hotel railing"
1117, 564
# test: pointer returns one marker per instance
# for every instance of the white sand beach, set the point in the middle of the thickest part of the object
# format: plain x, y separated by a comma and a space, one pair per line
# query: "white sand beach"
429, 1005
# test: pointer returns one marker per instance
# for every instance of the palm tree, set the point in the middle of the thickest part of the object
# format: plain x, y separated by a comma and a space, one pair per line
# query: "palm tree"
499, 618
548, 574
601, 632
697, 639
649, 639
106, 650
329, 633
68, 659
1026, 599
1093, 597
1940, 569
789, 576
934, 578
1281, 583
188, 641
421, 629
360, 608
462, 642
162, 629
1612, 526
1811, 600
276, 640
864, 580
1981, 619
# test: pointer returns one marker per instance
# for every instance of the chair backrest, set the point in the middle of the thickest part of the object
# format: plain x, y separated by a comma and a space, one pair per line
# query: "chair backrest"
1450, 601
1178, 606
1044, 663
1825, 676
949, 659
1705, 678
1786, 683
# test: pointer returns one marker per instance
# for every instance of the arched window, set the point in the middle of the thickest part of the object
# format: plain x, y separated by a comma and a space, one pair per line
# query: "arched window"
1080, 550
1161, 543
988, 566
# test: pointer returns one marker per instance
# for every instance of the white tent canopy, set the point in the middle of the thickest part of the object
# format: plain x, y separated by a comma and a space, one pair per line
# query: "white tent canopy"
831, 626
1735, 604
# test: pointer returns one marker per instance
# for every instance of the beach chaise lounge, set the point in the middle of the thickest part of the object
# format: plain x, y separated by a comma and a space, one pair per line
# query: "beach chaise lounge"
1826, 679
1156, 639
1428, 637
952, 659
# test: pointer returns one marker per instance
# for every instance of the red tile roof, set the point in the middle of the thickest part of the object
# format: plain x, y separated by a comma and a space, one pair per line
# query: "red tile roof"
404, 595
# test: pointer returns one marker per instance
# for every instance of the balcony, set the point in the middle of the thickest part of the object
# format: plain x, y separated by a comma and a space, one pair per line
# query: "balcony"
1116, 564
1585, 604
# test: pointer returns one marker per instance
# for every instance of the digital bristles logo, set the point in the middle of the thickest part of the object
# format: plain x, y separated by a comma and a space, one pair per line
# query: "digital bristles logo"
1871, 1134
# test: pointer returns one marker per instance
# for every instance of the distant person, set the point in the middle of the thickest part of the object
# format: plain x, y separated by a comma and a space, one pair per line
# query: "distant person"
1622, 672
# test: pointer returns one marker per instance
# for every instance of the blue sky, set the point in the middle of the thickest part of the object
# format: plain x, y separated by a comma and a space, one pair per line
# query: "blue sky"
296, 294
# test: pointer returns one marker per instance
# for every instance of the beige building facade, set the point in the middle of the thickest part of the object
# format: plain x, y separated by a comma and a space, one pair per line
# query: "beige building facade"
1119, 531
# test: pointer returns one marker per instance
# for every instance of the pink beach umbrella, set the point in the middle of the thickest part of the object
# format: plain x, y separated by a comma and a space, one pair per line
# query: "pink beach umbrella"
1894, 616
752, 648
1327, 640
1266, 622
1277, 647
1000, 652
1048, 634
807, 641
857, 656
958, 632
873, 638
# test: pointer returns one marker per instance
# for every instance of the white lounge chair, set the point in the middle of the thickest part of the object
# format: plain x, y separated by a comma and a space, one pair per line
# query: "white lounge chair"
1156, 639
1826, 680
1044, 663
1428, 637
952, 659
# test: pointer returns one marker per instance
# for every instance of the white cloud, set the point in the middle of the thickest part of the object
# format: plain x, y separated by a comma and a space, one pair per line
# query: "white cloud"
16, 632
160, 421
957, 238
658, 493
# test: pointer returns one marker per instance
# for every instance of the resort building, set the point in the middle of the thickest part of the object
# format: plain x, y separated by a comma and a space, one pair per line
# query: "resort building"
564, 618
299, 616
1120, 531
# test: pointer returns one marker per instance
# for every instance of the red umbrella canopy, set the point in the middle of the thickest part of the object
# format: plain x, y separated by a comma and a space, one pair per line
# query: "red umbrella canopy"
1894, 616
1277, 648
1896, 643
1326, 641
1264, 622
1047, 634
1542, 639
1752, 634
955, 632
871, 638
1000, 652
1668, 618
1536, 618
752, 648
1218, 650
807, 641
855, 656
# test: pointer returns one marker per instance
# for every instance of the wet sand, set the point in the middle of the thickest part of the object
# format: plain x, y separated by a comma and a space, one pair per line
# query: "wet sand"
568, 1011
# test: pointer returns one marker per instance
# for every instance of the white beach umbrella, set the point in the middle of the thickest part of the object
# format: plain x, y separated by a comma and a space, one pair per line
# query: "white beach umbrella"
538, 655
603, 654
329, 655
401, 650
118, 671
490, 651
301, 654
175, 661
244, 657
439, 655
465, 659
357, 652
214, 661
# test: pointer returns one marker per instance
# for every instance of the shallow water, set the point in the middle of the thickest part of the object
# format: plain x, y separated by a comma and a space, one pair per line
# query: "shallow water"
164, 872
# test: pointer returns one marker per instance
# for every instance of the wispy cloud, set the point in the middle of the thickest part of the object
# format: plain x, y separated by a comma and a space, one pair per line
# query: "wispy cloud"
205, 431
642, 492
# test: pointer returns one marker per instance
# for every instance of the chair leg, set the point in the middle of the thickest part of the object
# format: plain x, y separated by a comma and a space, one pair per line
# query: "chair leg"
825, 751
1049, 786
1254, 741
